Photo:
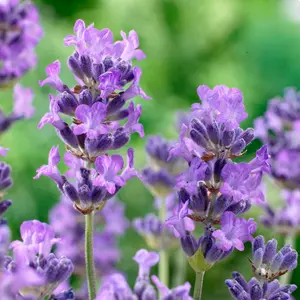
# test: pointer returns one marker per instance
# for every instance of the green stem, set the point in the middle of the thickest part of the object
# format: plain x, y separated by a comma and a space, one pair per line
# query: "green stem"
89, 255
163, 267
180, 268
290, 239
198, 285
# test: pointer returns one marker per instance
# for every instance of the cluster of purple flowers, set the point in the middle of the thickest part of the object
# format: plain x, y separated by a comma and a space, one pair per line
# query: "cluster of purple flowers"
33, 272
278, 129
103, 69
96, 116
110, 223
20, 32
267, 265
116, 287
214, 190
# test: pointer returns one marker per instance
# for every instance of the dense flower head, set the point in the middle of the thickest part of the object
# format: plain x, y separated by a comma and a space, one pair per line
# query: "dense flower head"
215, 244
33, 270
20, 32
69, 225
254, 290
106, 79
234, 186
94, 186
212, 128
267, 263
279, 129
213, 189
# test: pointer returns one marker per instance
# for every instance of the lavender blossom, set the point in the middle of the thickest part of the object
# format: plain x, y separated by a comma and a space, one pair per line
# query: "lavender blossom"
34, 270
94, 187
267, 263
253, 290
278, 129
103, 70
214, 126
20, 32
213, 190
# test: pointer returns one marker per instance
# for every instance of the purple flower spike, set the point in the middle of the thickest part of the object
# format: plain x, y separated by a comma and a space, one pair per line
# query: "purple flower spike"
131, 46
91, 118
267, 263
51, 169
240, 289
53, 78
234, 232
145, 260
180, 292
108, 168
23, 102
20, 33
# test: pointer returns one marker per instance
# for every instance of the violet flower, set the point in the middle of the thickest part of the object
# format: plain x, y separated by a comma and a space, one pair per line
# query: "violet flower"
267, 263
20, 33
103, 69
241, 289
34, 270
278, 130
234, 232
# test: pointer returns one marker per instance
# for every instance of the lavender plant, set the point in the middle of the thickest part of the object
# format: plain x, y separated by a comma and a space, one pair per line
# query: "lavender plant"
214, 190
100, 122
278, 128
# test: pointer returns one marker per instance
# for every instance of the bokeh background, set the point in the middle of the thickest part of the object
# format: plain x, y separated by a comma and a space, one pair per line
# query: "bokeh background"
252, 45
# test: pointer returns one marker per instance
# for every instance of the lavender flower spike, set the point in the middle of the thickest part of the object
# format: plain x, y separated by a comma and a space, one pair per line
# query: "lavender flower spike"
267, 263
19, 34
146, 260
255, 290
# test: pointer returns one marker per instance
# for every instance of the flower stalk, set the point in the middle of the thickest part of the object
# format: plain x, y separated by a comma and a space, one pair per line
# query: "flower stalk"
89, 255
163, 267
198, 285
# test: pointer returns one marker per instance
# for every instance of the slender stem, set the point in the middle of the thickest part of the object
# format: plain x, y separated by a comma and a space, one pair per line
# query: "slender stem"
163, 267
89, 255
290, 239
180, 268
198, 285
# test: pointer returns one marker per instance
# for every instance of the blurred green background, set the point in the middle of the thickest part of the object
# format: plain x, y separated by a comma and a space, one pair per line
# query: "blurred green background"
252, 45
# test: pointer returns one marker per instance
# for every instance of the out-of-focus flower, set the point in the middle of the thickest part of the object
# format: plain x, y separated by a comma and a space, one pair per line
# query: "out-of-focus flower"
20, 32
